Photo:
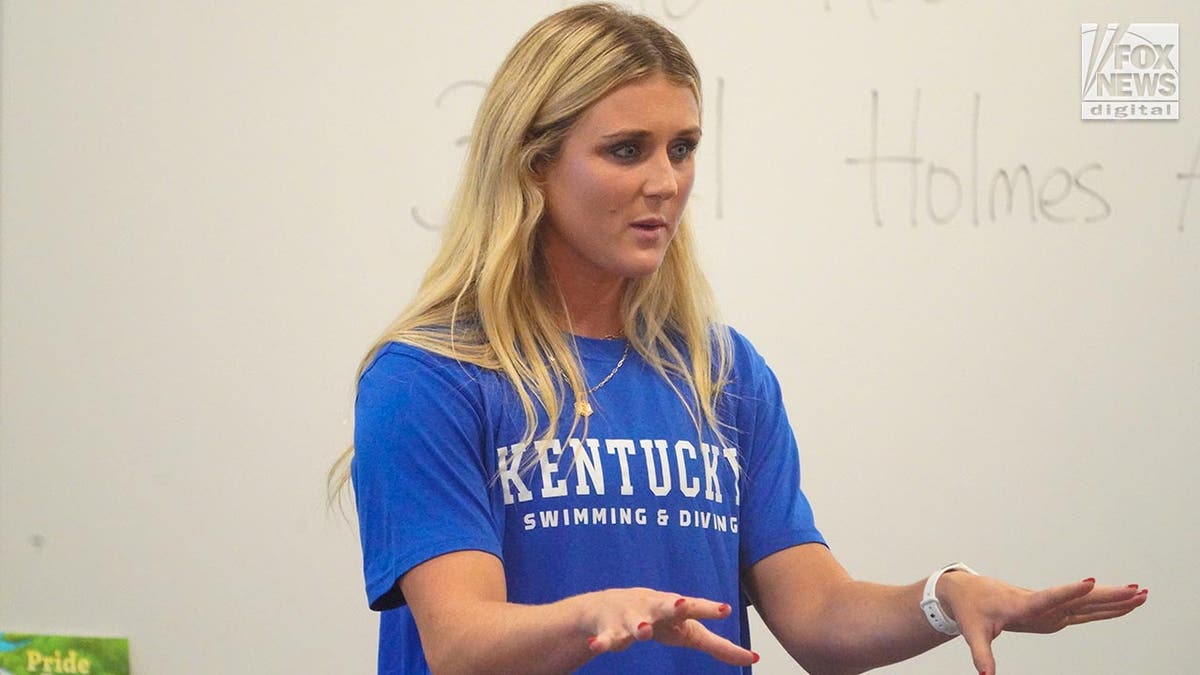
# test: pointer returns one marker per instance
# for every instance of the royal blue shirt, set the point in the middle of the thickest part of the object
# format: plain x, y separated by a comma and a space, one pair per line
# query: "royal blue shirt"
640, 499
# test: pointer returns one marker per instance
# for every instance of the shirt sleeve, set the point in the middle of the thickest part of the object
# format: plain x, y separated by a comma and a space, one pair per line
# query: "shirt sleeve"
419, 474
775, 512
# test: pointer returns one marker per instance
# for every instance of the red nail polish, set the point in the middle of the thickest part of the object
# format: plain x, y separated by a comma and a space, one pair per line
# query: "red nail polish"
591, 641
1144, 591
680, 601
643, 624
1132, 586
1089, 580
723, 608
756, 657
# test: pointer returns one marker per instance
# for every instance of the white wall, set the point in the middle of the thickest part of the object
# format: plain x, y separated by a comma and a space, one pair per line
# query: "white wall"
206, 215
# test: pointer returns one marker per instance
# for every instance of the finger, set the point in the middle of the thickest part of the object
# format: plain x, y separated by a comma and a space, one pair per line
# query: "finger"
1107, 597
610, 641
1123, 597
698, 636
679, 609
699, 608
979, 639
1099, 616
1052, 598
1100, 594
674, 609
1107, 610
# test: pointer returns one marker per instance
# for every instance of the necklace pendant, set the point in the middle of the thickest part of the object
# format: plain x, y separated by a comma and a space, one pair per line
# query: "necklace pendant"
582, 407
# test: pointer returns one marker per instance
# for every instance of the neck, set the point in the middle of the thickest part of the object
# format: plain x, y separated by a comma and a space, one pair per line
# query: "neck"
589, 307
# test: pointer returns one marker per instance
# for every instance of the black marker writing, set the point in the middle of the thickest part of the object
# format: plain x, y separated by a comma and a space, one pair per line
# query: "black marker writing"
688, 8
1189, 179
459, 142
871, 6
1061, 196
720, 152
455, 90
677, 9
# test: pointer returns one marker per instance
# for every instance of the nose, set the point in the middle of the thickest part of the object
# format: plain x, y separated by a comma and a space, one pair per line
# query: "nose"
662, 181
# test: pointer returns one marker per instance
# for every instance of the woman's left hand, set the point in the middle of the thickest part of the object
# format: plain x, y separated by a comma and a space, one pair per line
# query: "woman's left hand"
985, 607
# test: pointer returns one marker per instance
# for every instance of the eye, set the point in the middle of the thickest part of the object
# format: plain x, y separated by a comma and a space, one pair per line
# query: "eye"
625, 151
681, 150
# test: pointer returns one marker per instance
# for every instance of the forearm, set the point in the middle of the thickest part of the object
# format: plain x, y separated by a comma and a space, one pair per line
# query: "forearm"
503, 637
861, 626
467, 626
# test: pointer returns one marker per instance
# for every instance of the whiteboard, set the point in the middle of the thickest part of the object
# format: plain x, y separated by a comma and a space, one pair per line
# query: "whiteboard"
208, 211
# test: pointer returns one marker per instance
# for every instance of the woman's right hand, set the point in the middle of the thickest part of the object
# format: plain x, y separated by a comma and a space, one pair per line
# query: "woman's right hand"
616, 618
459, 601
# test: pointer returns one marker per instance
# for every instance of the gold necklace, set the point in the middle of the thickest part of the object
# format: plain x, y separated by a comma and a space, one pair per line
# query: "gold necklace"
583, 408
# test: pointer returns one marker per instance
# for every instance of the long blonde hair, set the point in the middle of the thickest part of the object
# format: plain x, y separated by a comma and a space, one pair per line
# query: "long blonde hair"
483, 299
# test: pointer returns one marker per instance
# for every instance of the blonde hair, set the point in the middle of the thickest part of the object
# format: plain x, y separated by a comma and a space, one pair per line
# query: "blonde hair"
483, 299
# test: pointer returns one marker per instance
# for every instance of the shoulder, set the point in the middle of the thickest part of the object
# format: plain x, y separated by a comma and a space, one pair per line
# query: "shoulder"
404, 366
748, 365
405, 359
406, 391
741, 345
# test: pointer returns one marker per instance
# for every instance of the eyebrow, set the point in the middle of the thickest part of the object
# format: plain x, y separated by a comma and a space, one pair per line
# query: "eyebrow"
642, 133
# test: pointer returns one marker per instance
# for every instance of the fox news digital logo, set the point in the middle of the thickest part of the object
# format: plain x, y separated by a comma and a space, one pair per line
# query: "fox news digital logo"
1130, 71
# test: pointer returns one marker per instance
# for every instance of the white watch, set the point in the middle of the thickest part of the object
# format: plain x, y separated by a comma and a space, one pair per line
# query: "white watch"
933, 609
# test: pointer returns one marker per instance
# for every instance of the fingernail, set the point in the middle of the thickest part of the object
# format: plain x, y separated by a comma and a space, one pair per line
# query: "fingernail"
1132, 586
591, 642
723, 608
680, 601
1089, 580
756, 657
1144, 591
643, 624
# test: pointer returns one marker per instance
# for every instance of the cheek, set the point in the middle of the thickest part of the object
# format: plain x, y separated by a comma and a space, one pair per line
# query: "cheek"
581, 189
686, 180
606, 189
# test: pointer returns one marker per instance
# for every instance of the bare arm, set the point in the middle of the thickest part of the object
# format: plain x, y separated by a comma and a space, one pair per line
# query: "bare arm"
467, 625
832, 624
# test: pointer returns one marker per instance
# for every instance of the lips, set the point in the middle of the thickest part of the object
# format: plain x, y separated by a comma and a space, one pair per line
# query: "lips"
650, 223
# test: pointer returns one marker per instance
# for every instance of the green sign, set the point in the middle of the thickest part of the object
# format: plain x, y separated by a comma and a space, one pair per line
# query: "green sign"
27, 653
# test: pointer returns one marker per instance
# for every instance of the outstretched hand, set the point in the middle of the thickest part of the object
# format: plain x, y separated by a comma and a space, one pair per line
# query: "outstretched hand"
619, 617
985, 607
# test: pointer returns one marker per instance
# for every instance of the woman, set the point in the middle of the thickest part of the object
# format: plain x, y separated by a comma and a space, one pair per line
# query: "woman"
560, 452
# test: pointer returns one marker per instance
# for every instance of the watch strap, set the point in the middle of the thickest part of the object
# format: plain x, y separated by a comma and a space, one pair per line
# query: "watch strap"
932, 608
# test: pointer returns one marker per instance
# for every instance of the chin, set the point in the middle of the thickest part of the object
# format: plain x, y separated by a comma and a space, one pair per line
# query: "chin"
642, 268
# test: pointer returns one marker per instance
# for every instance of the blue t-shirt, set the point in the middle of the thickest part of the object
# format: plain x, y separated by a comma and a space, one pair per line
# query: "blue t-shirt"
640, 500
